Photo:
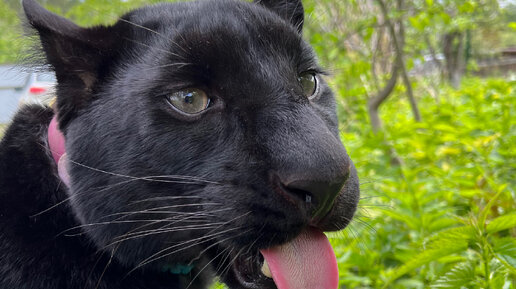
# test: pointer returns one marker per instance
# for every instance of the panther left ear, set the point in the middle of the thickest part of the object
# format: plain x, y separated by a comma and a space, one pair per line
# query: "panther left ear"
76, 54
290, 10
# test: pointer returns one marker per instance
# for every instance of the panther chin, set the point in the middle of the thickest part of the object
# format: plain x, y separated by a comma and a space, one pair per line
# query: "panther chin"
304, 261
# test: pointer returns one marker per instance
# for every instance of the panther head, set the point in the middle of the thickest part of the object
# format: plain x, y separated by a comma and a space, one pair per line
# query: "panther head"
203, 135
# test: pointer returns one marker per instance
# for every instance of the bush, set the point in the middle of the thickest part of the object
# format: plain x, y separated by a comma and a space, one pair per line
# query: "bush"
445, 217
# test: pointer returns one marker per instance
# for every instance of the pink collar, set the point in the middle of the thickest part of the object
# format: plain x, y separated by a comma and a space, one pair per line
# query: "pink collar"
56, 140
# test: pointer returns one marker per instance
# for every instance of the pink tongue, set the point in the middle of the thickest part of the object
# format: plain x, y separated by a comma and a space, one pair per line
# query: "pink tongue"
307, 262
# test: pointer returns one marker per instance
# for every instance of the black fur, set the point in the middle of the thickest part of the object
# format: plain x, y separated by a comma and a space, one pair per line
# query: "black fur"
226, 182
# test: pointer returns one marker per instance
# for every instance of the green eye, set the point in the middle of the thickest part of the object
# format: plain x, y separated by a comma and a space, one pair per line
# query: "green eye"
190, 100
308, 82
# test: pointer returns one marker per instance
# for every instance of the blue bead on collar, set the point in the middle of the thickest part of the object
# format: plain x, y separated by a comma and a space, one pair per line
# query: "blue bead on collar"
179, 269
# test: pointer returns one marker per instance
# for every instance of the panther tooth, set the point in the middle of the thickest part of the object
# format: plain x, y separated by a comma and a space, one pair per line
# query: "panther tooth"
265, 269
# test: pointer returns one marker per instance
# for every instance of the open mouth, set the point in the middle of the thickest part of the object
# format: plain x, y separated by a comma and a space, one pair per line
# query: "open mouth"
249, 272
307, 262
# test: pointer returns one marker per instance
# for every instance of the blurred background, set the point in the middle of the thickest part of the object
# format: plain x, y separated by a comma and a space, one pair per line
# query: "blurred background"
426, 93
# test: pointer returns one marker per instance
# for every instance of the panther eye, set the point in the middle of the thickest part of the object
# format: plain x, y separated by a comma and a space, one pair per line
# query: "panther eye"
308, 82
190, 100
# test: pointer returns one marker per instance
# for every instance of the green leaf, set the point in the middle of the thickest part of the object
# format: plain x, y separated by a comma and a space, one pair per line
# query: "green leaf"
499, 277
412, 222
487, 208
512, 25
438, 250
441, 224
505, 249
460, 276
467, 7
218, 285
501, 223
414, 21
463, 233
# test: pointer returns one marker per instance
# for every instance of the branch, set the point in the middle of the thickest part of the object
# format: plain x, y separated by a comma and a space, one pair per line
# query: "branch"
399, 57
376, 101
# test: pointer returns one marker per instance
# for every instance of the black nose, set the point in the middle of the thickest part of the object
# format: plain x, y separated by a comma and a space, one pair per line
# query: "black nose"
318, 195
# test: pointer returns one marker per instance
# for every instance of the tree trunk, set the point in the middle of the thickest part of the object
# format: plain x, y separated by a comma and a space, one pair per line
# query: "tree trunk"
374, 103
398, 41
410, 93
453, 48
376, 47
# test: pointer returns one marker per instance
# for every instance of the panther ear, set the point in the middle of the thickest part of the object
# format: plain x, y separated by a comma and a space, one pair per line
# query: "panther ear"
290, 10
76, 54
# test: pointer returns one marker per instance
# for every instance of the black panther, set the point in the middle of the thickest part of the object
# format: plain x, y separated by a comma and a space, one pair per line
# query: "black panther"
200, 140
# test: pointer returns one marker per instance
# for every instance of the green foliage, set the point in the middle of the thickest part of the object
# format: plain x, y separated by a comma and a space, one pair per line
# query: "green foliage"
451, 203
10, 41
95, 12
445, 217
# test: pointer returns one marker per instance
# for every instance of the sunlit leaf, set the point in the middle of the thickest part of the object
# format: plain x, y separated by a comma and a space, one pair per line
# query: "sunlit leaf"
438, 250
460, 276
459, 234
218, 286
502, 223
505, 249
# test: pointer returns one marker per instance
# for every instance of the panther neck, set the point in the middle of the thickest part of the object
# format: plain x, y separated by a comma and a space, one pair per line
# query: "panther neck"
56, 144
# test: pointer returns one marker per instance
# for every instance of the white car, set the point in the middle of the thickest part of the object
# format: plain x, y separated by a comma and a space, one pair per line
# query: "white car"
39, 88
20, 85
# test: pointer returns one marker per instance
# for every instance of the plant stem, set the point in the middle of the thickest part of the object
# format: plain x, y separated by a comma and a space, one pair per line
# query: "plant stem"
485, 259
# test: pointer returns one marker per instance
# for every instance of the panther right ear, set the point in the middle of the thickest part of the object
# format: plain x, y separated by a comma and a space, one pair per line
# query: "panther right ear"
76, 54
290, 10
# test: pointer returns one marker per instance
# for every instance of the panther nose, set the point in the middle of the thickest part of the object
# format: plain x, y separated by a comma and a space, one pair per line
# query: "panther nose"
317, 195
